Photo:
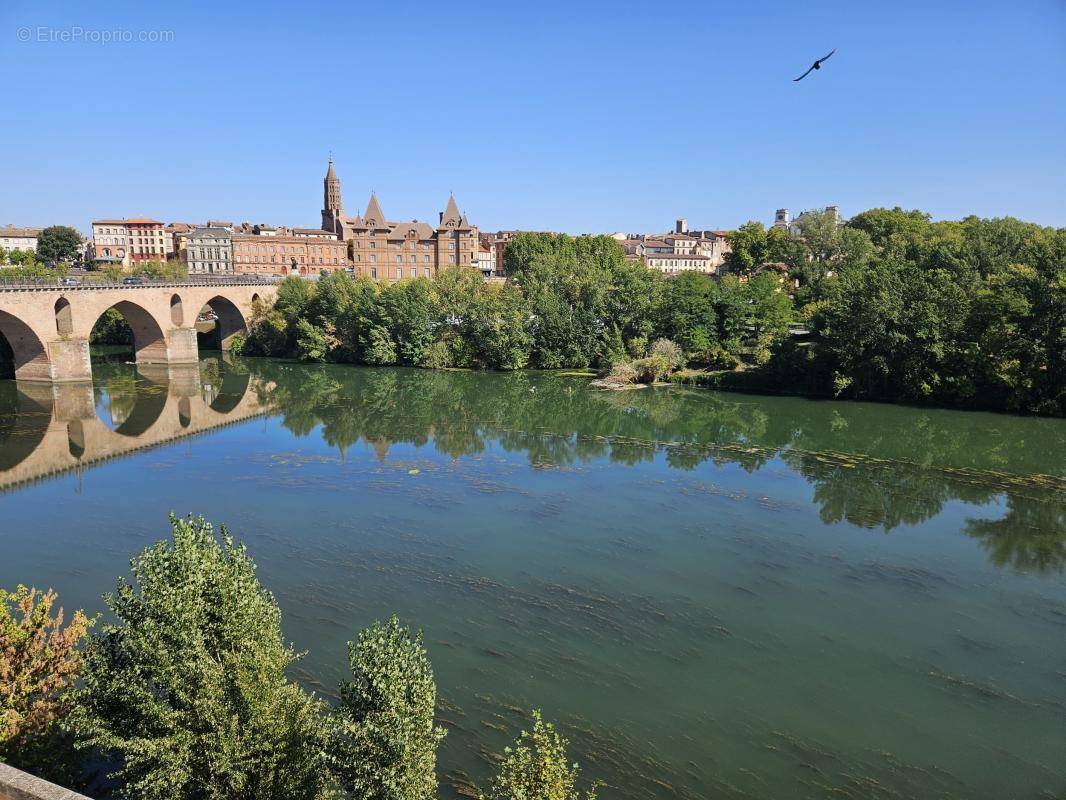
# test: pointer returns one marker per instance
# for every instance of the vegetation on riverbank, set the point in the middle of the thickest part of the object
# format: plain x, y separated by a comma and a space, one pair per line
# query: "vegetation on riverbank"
893, 307
185, 694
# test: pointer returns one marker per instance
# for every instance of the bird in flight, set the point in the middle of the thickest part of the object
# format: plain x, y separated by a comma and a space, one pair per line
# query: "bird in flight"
816, 65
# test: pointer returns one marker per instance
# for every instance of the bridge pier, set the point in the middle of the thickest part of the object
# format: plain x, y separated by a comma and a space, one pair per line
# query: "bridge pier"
181, 346
68, 362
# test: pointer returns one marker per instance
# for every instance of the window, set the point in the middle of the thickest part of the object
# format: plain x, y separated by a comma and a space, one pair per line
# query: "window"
373, 258
374, 273
399, 259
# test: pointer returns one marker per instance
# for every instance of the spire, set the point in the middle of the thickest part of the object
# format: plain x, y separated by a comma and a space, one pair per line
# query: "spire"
374, 212
451, 213
331, 192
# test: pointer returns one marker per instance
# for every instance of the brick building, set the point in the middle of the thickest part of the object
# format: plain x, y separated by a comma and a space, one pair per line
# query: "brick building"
387, 250
268, 251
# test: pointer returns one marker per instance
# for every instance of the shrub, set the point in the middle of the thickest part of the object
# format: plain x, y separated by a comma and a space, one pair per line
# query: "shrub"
651, 369
537, 768
384, 743
669, 351
187, 689
237, 344
39, 661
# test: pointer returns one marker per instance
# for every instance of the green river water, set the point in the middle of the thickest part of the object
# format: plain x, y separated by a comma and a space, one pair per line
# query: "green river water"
714, 595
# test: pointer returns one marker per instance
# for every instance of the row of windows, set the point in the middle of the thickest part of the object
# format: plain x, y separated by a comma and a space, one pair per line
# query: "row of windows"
398, 272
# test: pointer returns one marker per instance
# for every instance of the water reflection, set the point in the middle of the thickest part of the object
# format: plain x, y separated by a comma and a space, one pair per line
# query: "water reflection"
877, 467
47, 429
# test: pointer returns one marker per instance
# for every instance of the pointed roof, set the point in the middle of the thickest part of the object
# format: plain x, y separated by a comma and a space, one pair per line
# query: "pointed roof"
330, 174
451, 214
374, 213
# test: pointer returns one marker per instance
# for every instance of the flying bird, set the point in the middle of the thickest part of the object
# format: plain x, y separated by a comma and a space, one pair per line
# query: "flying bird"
816, 65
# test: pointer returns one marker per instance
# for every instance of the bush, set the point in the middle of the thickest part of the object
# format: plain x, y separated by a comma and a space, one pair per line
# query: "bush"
39, 661
237, 343
537, 768
651, 369
384, 744
669, 351
187, 691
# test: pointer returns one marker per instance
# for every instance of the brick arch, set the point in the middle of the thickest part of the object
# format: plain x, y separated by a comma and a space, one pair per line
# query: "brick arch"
149, 341
231, 320
30, 355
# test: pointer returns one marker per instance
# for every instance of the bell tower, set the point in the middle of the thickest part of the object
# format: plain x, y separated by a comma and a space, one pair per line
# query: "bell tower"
331, 200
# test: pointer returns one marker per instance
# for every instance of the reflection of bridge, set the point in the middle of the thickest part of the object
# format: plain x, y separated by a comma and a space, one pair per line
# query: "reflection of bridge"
56, 428
48, 328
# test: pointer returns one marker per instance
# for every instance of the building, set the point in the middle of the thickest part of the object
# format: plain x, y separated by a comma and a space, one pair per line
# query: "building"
110, 246
209, 251
147, 240
174, 235
12, 238
680, 250
128, 242
382, 249
782, 219
485, 260
266, 251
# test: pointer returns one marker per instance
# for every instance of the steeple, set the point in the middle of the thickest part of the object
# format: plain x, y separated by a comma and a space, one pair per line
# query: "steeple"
332, 190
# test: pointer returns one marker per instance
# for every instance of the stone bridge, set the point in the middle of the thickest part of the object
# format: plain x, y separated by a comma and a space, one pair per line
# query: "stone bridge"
48, 327
51, 429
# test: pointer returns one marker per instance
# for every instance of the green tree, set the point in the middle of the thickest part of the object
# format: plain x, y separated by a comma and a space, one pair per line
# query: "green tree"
412, 310
384, 743
187, 688
688, 314
537, 768
58, 243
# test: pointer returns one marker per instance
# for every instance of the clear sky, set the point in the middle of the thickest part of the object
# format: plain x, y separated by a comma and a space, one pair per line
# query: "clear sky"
575, 116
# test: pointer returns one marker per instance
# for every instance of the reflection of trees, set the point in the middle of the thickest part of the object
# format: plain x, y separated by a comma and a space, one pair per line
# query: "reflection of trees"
873, 466
1031, 536
879, 495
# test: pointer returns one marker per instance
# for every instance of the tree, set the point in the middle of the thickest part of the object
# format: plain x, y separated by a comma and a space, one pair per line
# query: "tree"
384, 743
537, 768
187, 689
57, 244
39, 661
688, 313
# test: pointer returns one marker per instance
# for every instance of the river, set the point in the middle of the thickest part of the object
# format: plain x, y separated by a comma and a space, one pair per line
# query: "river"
714, 595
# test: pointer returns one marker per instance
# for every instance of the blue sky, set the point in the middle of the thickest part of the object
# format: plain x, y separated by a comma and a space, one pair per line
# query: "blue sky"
579, 116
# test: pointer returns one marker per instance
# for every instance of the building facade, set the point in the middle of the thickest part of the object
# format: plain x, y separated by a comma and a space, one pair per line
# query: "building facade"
387, 250
128, 242
25, 239
110, 246
681, 250
147, 240
208, 251
270, 252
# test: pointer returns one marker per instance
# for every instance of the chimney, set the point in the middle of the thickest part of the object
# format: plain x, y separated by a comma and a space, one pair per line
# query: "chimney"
681, 225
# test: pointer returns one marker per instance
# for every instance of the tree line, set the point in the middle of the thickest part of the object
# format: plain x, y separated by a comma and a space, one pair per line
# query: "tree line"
183, 693
892, 306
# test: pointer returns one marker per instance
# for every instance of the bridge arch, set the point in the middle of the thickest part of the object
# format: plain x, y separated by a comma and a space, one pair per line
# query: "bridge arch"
149, 341
30, 359
230, 321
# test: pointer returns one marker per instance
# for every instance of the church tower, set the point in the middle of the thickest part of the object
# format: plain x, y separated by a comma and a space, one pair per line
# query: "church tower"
331, 200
